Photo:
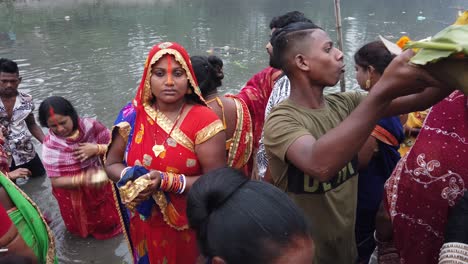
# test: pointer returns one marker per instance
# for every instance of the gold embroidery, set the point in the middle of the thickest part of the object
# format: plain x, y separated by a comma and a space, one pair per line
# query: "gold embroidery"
209, 131
147, 159
165, 45
236, 136
124, 230
177, 134
160, 199
131, 189
191, 163
124, 130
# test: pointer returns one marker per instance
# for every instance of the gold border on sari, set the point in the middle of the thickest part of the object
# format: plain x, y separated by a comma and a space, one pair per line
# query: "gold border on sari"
208, 132
237, 136
50, 258
124, 129
122, 224
160, 199
178, 135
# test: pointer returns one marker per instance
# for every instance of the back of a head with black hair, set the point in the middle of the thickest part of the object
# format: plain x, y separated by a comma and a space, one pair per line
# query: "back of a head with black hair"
240, 220
59, 106
15, 259
209, 73
287, 40
8, 66
374, 54
288, 18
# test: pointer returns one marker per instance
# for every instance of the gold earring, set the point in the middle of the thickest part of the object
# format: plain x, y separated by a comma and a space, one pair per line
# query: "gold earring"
368, 84
189, 91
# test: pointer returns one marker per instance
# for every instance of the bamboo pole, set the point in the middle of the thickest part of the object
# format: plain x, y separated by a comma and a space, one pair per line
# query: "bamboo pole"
340, 37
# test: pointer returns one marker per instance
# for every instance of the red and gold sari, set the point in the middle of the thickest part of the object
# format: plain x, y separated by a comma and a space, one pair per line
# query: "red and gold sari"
239, 146
255, 95
165, 237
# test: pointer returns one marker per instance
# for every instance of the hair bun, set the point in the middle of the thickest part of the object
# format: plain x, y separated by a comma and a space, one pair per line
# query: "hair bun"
210, 192
217, 65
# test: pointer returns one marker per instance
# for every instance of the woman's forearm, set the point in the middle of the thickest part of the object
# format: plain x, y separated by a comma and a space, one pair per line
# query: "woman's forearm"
114, 170
65, 182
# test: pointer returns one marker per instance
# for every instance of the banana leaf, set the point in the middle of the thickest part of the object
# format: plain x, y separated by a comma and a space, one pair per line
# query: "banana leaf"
453, 40
445, 55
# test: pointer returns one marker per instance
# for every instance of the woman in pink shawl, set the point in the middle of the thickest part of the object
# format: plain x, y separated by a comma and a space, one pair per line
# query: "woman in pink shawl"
72, 153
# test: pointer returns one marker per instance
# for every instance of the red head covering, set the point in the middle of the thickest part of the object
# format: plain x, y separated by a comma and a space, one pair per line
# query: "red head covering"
143, 96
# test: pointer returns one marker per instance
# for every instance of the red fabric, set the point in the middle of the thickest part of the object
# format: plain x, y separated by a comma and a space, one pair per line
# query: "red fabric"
428, 181
5, 221
57, 152
85, 211
89, 211
154, 237
240, 150
165, 241
255, 94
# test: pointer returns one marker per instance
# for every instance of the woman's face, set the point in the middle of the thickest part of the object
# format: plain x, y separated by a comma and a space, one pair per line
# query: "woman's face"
325, 61
61, 125
169, 82
362, 75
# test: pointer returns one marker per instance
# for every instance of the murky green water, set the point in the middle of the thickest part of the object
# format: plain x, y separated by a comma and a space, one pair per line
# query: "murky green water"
92, 52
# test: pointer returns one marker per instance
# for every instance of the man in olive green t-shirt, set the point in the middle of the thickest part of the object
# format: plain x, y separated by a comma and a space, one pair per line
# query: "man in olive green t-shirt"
312, 139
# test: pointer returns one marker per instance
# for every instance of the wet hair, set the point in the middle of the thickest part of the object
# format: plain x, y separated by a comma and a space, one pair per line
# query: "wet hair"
60, 106
209, 73
287, 39
374, 54
240, 220
288, 18
8, 66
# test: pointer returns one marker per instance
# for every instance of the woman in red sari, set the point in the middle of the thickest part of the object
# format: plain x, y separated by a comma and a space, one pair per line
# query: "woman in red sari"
426, 183
72, 154
231, 110
168, 138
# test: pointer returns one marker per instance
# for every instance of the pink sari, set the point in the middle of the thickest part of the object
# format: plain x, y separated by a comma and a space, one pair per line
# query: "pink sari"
428, 181
85, 211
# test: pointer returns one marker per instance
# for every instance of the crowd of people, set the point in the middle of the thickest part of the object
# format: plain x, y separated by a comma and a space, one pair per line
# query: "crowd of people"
278, 173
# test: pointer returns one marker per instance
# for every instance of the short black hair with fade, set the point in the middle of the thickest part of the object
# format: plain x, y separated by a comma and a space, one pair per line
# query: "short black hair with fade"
286, 39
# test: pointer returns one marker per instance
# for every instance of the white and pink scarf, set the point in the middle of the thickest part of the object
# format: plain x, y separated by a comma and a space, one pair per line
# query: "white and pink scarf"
57, 152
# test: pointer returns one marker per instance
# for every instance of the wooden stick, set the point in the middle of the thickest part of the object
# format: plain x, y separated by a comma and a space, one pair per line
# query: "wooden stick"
340, 38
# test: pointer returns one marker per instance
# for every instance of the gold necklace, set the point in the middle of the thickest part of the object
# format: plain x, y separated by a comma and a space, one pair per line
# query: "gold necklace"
158, 149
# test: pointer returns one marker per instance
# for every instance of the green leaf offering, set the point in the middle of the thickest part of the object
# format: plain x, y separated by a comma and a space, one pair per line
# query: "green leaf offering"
445, 55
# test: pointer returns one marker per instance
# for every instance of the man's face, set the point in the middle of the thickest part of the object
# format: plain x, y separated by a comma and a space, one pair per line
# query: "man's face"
9, 83
269, 49
325, 61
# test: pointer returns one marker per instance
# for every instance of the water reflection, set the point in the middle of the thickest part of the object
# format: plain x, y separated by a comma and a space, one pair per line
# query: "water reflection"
93, 51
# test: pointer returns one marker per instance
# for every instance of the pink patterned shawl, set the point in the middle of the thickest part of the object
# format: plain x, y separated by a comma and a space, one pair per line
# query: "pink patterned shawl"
428, 181
57, 152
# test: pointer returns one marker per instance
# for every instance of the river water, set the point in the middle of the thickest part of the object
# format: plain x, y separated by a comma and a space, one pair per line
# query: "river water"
92, 52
